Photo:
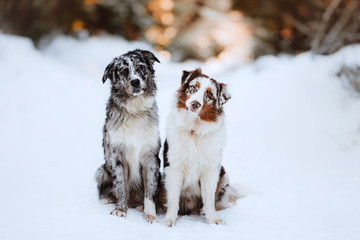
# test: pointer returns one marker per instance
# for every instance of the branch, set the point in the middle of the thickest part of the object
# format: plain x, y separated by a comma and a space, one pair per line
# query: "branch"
298, 25
323, 26
339, 26
352, 37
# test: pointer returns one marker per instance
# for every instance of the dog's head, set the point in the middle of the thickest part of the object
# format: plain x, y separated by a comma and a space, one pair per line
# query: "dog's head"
202, 95
132, 74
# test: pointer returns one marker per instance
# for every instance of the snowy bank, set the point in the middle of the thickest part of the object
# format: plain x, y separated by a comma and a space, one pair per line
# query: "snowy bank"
293, 145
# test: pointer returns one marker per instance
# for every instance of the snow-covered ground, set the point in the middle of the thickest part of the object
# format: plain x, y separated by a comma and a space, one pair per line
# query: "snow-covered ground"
293, 145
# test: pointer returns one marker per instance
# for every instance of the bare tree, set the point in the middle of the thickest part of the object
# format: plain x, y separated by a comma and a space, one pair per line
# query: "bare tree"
340, 26
350, 77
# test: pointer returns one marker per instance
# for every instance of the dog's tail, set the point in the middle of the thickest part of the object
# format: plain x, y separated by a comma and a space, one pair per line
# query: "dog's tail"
226, 195
234, 194
105, 184
229, 198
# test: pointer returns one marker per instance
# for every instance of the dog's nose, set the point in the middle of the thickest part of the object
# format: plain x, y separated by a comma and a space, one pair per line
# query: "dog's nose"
135, 83
195, 105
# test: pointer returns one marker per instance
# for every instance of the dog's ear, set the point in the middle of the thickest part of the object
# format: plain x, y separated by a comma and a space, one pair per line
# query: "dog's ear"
149, 56
184, 77
109, 72
187, 76
223, 95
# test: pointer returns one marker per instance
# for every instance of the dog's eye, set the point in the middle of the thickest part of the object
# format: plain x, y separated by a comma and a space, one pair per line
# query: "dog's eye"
192, 89
123, 71
209, 95
143, 69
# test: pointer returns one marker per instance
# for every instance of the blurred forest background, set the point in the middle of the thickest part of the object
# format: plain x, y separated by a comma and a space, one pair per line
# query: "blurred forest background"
194, 29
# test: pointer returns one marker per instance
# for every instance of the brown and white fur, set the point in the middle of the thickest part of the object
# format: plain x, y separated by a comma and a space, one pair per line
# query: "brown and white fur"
196, 134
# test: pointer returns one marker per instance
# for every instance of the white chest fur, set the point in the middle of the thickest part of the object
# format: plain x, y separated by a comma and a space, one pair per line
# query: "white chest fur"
136, 134
195, 146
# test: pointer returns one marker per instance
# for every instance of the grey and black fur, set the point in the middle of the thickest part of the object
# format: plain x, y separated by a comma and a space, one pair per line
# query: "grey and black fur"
130, 175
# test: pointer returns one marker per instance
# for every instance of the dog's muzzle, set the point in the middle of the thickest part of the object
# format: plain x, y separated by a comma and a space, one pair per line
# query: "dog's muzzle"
135, 84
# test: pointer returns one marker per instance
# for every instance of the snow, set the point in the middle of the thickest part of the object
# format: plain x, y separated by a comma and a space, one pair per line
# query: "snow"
293, 145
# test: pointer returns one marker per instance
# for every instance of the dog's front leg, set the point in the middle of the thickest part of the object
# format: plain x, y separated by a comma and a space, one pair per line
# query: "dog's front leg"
173, 182
119, 172
150, 175
208, 187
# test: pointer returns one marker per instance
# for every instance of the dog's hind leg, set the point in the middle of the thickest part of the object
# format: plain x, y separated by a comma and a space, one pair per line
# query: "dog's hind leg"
150, 173
225, 195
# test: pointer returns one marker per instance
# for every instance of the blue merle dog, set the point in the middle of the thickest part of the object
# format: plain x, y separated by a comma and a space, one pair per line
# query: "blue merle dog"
130, 175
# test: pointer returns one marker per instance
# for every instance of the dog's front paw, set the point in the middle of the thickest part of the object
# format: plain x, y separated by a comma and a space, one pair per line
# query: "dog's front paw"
217, 221
117, 212
149, 218
169, 222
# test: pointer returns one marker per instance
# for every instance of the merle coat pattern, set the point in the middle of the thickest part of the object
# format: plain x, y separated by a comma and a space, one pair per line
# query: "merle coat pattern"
131, 142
